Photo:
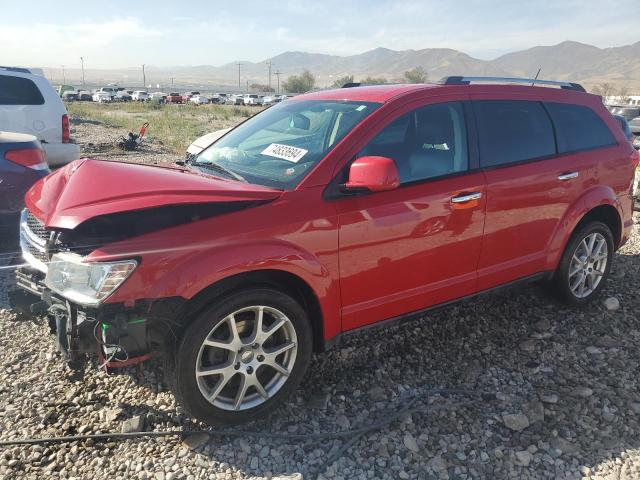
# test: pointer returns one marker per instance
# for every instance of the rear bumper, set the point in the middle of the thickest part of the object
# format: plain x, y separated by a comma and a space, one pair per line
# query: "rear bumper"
9, 231
59, 154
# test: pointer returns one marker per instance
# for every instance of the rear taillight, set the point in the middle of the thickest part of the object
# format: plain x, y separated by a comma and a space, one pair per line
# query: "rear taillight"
28, 157
65, 128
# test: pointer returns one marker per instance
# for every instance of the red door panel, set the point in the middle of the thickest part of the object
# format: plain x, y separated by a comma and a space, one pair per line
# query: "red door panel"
525, 204
408, 249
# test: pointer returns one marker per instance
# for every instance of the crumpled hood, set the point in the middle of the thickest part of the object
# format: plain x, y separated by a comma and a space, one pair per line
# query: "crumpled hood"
87, 188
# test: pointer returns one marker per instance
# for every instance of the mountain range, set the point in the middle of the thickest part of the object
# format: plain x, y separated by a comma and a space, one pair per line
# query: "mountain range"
568, 60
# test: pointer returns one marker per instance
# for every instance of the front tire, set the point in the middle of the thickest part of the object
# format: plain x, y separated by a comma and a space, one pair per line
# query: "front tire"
242, 357
585, 264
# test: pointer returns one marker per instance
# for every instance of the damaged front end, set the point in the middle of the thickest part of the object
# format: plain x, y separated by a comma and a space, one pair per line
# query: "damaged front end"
56, 282
91, 204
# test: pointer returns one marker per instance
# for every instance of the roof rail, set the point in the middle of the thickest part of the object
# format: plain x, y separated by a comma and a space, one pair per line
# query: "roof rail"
460, 80
15, 69
351, 85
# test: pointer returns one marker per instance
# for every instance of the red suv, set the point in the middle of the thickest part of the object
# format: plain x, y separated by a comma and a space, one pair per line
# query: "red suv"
174, 98
321, 215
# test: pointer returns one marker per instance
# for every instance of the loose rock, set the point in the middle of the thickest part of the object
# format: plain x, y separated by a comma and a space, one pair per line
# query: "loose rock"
515, 421
134, 424
612, 304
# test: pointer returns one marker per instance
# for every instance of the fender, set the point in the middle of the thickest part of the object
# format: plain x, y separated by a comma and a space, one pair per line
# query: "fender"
590, 199
200, 266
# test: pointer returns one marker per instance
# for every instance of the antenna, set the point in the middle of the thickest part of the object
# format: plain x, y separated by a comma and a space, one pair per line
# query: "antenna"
536, 77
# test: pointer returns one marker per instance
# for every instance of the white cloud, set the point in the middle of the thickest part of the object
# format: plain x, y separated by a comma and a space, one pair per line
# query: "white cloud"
66, 42
477, 27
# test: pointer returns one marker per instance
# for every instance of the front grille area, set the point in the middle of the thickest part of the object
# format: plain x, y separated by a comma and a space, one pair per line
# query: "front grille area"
36, 227
33, 241
38, 254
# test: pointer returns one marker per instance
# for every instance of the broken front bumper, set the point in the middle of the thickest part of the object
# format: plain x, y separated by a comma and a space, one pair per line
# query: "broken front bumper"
117, 334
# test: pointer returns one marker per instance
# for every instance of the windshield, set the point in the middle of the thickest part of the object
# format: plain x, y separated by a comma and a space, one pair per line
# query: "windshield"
280, 145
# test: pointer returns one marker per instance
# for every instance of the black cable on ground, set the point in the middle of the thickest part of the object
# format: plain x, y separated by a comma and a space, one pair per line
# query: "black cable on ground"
387, 419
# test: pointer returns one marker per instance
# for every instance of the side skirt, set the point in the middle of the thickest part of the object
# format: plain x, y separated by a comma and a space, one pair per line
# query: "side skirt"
412, 316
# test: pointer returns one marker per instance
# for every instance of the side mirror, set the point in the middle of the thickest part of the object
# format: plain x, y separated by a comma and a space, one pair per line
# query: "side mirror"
373, 174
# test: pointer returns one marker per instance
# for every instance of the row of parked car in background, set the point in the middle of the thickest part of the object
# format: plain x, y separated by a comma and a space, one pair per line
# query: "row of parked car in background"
631, 113
117, 94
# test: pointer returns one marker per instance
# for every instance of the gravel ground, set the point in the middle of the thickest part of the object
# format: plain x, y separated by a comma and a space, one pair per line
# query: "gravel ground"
511, 385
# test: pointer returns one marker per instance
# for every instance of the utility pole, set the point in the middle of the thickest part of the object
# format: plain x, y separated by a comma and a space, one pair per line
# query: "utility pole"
277, 74
144, 78
247, 86
64, 78
82, 64
171, 83
239, 65
268, 62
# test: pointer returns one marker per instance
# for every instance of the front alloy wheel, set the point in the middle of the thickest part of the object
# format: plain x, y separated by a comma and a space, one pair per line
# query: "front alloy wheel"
242, 357
246, 358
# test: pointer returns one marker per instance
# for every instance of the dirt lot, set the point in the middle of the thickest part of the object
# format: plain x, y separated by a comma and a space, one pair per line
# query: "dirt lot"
99, 127
511, 385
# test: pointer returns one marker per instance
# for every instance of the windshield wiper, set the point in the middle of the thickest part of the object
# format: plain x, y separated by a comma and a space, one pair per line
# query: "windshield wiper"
220, 169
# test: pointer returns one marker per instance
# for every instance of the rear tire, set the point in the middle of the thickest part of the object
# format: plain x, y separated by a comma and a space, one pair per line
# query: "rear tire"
242, 357
585, 264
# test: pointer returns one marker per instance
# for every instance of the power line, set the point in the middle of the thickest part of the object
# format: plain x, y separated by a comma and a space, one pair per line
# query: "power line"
268, 62
82, 64
277, 74
239, 65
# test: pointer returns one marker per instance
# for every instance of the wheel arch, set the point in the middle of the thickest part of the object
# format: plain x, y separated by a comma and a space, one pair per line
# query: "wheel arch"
284, 281
606, 214
599, 203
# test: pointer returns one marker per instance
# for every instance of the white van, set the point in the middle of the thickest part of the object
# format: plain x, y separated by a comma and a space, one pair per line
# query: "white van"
29, 104
140, 96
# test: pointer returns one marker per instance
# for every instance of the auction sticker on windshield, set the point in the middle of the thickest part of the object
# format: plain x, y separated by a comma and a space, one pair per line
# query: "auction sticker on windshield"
285, 152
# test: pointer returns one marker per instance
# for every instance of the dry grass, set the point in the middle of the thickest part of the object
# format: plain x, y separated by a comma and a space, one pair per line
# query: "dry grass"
175, 126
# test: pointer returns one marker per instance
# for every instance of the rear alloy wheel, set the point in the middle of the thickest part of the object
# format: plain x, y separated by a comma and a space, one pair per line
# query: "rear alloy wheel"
588, 265
242, 357
585, 264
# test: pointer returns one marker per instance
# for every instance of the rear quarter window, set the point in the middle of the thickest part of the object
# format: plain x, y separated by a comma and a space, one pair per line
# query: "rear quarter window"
19, 91
579, 128
511, 131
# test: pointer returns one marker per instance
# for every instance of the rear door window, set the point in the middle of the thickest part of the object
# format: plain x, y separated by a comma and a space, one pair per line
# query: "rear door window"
511, 131
19, 91
579, 128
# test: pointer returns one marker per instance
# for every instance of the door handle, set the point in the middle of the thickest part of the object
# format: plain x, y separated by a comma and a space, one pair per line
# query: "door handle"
466, 197
568, 176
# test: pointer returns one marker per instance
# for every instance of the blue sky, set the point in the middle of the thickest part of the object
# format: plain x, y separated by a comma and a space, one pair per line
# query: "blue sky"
116, 33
